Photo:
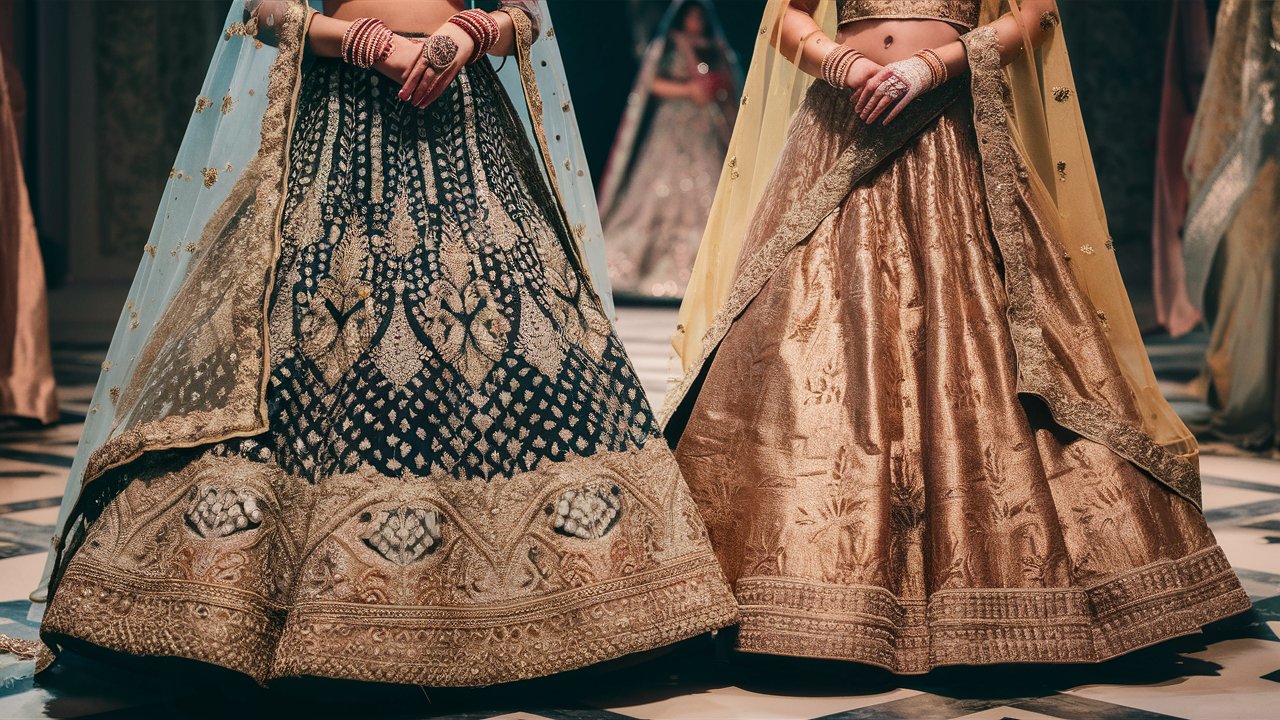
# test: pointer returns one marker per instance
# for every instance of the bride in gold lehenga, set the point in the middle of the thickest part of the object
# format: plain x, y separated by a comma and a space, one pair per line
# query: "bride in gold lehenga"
954, 451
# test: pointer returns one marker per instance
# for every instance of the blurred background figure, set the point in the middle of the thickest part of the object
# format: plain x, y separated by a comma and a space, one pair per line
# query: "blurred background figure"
1186, 58
26, 369
662, 171
643, 17
1232, 248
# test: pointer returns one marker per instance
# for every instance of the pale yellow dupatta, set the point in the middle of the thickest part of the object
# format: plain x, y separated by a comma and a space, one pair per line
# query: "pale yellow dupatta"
1048, 130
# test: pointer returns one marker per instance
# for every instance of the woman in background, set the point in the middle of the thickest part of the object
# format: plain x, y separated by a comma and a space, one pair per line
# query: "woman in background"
662, 171
917, 413
26, 368
1186, 57
1232, 248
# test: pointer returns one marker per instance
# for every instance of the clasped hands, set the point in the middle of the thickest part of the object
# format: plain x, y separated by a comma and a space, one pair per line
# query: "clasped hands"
880, 89
418, 67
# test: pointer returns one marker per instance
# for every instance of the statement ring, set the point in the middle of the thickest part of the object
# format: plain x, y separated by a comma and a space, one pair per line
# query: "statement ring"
440, 51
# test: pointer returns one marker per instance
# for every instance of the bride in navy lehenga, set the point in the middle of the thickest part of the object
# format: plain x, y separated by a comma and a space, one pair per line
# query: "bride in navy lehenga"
367, 417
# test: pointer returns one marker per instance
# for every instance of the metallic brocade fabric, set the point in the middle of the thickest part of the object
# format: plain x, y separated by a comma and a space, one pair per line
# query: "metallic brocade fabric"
959, 12
883, 494
461, 483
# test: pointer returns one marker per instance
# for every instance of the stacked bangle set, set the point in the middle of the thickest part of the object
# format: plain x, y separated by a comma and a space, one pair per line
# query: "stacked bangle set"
937, 68
482, 28
368, 41
835, 66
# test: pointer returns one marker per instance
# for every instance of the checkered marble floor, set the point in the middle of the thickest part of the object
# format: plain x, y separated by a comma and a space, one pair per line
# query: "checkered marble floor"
1232, 670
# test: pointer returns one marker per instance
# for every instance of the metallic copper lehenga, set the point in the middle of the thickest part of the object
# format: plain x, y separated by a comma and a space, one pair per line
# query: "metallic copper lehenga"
461, 481
940, 462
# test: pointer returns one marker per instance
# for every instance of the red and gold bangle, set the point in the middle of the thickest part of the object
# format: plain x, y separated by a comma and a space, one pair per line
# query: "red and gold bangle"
366, 42
379, 44
349, 38
482, 29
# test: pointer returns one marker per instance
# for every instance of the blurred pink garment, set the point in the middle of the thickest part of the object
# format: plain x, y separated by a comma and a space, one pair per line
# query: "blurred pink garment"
26, 369
1186, 60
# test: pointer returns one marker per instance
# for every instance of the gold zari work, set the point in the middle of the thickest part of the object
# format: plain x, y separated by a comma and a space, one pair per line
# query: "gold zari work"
317, 585
421, 456
958, 12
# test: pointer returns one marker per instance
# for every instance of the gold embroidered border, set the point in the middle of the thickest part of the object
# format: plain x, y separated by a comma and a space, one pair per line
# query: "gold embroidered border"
963, 627
415, 645
1003, 177
862, 156
264, 181
525, 35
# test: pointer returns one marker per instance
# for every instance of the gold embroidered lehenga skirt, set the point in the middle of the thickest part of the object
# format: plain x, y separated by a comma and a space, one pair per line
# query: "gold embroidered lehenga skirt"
884, 493
461, 482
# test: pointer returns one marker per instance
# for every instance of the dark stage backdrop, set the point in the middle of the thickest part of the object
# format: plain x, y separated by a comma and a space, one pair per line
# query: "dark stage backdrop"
106, 118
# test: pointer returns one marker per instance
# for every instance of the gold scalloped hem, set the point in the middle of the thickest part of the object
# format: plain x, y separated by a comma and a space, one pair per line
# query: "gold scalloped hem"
1164, 600
433, 646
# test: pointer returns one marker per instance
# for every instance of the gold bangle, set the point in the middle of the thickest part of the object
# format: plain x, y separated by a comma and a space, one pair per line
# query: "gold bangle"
935, 62
842, 68
831, 62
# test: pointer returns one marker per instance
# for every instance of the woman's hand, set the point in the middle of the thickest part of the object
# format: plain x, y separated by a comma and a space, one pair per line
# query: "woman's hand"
404, 55
893, 88
860, 73
424, 84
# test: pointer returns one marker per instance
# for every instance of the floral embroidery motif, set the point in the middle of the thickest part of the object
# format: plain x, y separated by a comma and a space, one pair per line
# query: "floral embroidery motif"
402, 231
219, 512
466, 327
403, 535
588, 513
336, 326
399, 355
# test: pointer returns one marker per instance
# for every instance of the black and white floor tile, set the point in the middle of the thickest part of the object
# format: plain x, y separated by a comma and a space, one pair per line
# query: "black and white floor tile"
1230, 671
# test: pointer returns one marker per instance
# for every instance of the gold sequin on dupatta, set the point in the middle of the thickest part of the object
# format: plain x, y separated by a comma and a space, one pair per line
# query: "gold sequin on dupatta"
200, 375
1036, 376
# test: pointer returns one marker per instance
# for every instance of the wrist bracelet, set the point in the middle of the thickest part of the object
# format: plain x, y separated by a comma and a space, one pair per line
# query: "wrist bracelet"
366, 42
937, 68
835, 66
482, 29
842, 70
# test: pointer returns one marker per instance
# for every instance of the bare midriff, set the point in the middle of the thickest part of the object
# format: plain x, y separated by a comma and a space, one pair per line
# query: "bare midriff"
406, 16
886, 41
